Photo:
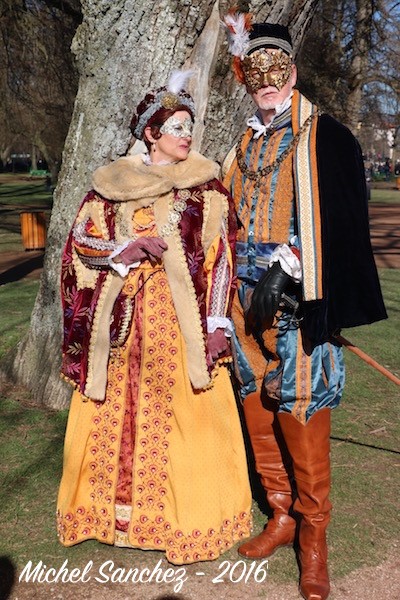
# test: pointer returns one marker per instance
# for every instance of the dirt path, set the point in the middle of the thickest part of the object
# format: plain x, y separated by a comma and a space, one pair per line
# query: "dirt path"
385, 236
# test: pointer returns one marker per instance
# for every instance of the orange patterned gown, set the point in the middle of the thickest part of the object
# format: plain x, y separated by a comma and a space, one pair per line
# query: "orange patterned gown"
157, 465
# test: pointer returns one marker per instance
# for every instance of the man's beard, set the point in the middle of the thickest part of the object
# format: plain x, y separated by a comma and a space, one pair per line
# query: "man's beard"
269, 104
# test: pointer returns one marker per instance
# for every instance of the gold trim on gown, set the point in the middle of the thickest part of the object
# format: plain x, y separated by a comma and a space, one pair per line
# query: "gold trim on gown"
157, 465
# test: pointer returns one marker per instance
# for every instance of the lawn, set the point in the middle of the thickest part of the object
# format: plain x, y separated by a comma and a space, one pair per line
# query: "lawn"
16, 302
385, 196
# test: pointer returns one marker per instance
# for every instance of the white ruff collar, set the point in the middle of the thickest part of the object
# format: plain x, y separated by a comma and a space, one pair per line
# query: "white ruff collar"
145, 156
255, 121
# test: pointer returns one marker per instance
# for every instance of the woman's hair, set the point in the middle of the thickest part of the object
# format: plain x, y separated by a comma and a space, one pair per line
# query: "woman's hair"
157, 121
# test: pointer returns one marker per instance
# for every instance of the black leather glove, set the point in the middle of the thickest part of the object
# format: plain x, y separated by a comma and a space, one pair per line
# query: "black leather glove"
267, 296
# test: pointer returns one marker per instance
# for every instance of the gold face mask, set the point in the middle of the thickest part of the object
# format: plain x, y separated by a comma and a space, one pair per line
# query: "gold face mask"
267, 67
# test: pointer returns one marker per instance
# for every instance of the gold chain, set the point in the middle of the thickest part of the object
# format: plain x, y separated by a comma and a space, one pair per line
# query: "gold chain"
259, 174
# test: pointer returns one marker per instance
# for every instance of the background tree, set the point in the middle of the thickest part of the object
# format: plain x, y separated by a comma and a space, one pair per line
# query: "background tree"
38, 76
350, 57
383, 89
123, 48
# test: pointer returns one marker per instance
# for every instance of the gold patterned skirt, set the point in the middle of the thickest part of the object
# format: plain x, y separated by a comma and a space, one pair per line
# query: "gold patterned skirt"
157, 465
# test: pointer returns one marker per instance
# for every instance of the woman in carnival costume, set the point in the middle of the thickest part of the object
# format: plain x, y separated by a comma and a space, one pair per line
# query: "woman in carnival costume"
154, 455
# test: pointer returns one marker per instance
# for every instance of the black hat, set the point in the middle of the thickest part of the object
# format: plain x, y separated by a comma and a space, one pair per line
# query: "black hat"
269, 35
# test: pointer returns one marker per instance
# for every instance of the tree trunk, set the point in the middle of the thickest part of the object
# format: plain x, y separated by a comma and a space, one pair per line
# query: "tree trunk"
33, 158
5, 152
360, 62
123, 48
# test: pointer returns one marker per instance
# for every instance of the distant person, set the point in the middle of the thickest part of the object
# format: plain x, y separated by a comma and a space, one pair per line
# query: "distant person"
306, 270
154, 455
387, 168
369, 169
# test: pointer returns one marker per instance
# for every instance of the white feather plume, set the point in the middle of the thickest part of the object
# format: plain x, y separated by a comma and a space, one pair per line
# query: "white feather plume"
178, 79
238, 35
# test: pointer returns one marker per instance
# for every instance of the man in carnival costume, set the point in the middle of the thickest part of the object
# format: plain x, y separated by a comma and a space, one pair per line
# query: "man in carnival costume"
306, 270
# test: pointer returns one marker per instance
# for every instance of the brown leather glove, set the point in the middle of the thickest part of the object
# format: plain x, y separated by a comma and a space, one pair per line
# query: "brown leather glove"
144, 248
217, 346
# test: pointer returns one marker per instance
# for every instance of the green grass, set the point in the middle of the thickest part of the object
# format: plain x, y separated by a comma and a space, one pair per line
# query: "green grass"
375, 337
17, 194
16, 303
365, 443
365, 460
385, 196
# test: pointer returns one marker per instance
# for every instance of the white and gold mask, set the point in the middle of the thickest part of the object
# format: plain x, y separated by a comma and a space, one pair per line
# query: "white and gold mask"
267, 67
177, 128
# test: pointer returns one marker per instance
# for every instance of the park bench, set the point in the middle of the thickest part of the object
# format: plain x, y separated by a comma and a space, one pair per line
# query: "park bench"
39, 173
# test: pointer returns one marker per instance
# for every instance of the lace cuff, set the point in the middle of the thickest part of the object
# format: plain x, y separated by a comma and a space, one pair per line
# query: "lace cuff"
224, 323
288, 260
121, 268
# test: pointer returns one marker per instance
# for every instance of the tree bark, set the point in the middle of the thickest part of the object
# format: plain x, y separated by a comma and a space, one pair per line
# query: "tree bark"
359, 63
123, 48
33, 158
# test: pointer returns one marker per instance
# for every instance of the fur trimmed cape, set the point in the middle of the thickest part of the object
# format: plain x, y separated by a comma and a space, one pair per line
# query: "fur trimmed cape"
92, 296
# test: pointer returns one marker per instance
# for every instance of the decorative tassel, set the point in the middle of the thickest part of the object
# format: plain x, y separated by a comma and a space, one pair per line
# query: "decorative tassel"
237, 25
178, 79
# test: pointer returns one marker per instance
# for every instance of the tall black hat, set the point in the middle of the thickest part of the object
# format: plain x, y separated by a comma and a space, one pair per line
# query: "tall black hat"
269, 35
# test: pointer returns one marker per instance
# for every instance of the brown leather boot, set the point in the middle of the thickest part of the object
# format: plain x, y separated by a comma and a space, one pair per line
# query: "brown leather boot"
309, 447
280, 530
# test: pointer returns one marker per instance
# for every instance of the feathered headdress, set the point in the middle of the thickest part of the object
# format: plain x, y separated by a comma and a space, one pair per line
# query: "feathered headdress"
178, 79
238, 26
170, 97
